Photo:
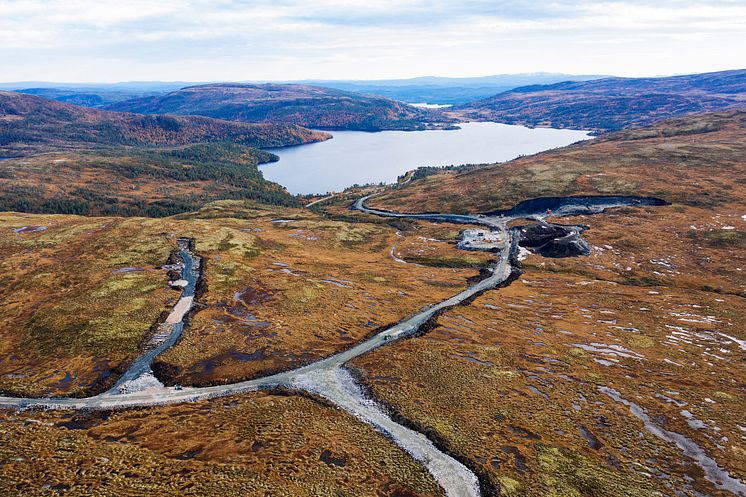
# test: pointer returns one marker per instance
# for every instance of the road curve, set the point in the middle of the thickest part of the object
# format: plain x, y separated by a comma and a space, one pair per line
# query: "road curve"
328, 377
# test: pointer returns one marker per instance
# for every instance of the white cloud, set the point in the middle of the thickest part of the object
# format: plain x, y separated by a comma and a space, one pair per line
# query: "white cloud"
262, 39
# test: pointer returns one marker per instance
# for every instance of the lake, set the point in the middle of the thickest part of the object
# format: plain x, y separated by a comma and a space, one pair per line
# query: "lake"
358, 157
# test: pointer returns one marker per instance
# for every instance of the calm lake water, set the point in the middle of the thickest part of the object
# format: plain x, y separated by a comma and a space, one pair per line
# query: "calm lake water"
357, 157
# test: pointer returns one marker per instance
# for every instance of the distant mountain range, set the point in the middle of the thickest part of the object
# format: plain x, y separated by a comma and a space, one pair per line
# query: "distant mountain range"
309, 106
93, 94
427, 89
587, 101
611, 103
440, 90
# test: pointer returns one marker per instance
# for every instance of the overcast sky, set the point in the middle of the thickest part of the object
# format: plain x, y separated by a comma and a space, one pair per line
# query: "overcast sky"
207, 40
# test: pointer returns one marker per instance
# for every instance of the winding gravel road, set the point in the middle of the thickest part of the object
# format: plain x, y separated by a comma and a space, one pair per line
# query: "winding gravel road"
328, 377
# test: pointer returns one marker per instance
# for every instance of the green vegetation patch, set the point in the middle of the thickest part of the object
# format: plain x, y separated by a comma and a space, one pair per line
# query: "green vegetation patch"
725, 238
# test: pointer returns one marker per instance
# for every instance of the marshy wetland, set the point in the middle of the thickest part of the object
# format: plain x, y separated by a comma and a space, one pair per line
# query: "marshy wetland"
617, 372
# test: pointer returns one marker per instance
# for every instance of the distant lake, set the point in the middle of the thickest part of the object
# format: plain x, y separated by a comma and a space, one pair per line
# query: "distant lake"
425, 105
358, 157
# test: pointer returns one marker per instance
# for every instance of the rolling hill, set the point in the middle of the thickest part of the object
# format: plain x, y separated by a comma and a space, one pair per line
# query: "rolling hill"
696, 160
310, 106
611, 103
64, 158
35, 122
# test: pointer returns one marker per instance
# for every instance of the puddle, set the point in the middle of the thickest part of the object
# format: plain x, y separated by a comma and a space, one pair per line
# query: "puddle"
694, 423
328, 457
208, 366
523, 432
473, 360
713, 473
593, 442
23, 230
604, 362
128, 269
252, 296
300, 234
538, 392
259, 445
518, 458
609, 350
341, 284
241, 313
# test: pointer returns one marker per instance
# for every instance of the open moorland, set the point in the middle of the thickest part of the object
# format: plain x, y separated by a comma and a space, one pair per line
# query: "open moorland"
281, 287
535, 386
258, 444
611, 374
513, 381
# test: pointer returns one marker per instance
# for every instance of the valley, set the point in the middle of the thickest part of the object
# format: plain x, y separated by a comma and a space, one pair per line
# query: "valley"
564, 323
62, 158
327, 378
554, 338
359, 158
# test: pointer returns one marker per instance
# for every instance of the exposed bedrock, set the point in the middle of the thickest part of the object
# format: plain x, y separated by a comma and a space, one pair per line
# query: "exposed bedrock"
553, 240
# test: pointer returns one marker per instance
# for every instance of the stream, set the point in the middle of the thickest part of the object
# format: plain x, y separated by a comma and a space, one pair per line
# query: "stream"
139, 375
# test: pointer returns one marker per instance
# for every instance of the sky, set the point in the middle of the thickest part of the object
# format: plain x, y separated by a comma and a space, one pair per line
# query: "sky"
212, 40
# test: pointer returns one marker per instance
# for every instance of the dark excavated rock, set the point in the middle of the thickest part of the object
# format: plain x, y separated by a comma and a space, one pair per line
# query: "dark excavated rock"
569, 246
539, 234
553, 240
577, 205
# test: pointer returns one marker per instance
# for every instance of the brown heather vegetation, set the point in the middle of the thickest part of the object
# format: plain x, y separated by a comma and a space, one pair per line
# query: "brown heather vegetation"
68, 319
508, 383
253, 445
276, 294
282, 294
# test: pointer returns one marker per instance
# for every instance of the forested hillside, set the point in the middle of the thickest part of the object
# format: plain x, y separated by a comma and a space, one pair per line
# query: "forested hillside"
311, 106
63, 158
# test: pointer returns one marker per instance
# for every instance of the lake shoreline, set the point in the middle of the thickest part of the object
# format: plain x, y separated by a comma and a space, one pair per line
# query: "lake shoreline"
358, 157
